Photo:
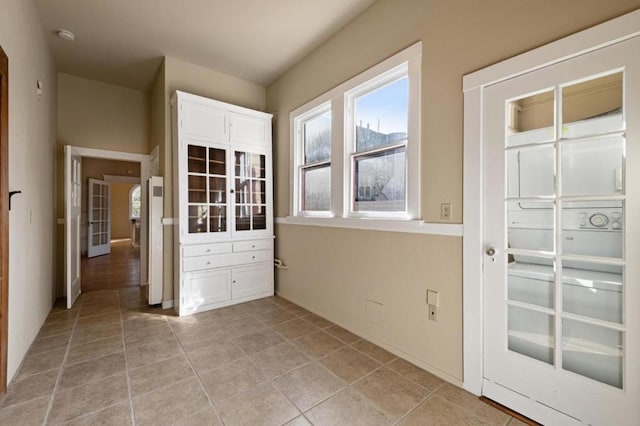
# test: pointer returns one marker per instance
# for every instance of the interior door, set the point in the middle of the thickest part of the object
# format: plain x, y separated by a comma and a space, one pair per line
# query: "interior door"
155, 189
4, 217
72, 226
561, 161
99, 215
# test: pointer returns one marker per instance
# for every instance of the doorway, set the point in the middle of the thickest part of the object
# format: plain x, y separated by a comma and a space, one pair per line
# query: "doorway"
553, 253
127, 263
110, 217
4, 217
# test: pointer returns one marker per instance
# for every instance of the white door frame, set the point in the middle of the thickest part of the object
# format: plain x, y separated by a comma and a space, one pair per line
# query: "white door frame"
144, 161
606, 34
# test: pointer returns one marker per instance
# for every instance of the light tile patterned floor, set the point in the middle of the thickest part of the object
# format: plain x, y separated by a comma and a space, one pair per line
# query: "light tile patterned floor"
113, 361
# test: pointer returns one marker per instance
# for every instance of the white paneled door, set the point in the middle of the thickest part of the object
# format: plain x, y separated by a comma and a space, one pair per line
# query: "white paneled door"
99, 215
73, 190
561, 161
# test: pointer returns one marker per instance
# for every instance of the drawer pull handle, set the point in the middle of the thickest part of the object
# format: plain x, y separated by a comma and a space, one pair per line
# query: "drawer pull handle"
208, 263
253, 257
208, 250
253, 246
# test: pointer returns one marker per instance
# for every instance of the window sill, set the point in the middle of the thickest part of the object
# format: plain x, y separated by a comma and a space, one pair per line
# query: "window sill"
389, 225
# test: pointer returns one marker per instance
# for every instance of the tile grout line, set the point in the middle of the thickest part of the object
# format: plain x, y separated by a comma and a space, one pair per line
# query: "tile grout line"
126, 363
347, 385
62, 365
270, 379
196, 374
427, 396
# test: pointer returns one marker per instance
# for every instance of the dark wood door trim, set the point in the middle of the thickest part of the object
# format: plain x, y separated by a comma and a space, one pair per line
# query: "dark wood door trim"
4, 217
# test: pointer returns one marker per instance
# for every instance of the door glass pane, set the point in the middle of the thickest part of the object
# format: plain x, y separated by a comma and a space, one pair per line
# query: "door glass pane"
531, 119
242, 164
197, 219
257, 166
95, 239
316, 183
317, 138
196, 158
217, 219
531, 172
593, 167
197, 189
217, 162
593, 228
593, 290
531, 280
379, 181
260, 217
258, 193
243, 191
217, 190
531, 333
592, 107
592, 351
243, 218
530, 225
381, 116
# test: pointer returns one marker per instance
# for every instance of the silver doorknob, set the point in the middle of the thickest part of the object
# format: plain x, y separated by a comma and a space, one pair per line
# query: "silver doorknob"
491, 251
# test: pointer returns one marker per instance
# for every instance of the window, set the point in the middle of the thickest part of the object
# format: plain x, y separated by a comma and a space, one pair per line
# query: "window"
134, 202
379, 135
314, 172
356, 149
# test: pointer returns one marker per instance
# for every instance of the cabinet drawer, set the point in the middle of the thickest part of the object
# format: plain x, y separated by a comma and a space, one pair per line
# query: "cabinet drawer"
253, 257
201, 263
252, 245
206, 249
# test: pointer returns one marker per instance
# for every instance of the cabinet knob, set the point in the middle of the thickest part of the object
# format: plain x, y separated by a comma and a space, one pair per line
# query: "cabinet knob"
208, 263
253, 257
208, 250
253, 246
234, 281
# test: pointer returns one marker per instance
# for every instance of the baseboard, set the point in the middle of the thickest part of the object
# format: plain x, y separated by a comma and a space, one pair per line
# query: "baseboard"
167, 304
397, 352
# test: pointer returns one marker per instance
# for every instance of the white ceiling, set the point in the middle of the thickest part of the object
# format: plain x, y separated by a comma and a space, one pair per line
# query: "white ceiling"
123, 41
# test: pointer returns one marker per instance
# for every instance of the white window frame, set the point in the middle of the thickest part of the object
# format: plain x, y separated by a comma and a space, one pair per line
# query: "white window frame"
300, 165
340, 99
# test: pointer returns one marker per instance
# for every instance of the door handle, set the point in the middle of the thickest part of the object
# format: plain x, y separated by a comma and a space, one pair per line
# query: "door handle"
491, 251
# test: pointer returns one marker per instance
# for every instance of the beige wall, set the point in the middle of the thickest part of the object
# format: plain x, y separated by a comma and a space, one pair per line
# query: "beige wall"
32, 131
96, 168
179, 75
120, 215
97, 115
333, 271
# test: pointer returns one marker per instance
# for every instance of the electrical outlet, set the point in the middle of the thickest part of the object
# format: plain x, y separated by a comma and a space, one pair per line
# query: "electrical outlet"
433, 312
445, 211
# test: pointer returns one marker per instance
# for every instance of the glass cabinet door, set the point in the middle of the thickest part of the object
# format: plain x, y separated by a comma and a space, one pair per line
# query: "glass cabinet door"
250, 190
206, 189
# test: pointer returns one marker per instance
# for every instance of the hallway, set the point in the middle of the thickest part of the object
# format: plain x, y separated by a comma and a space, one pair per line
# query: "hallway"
112, 360
119, 269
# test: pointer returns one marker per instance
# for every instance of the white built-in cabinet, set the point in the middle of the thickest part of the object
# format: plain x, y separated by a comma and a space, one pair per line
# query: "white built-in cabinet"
223, 204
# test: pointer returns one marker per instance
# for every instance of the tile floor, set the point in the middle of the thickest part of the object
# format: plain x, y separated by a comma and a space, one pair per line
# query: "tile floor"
113, 361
